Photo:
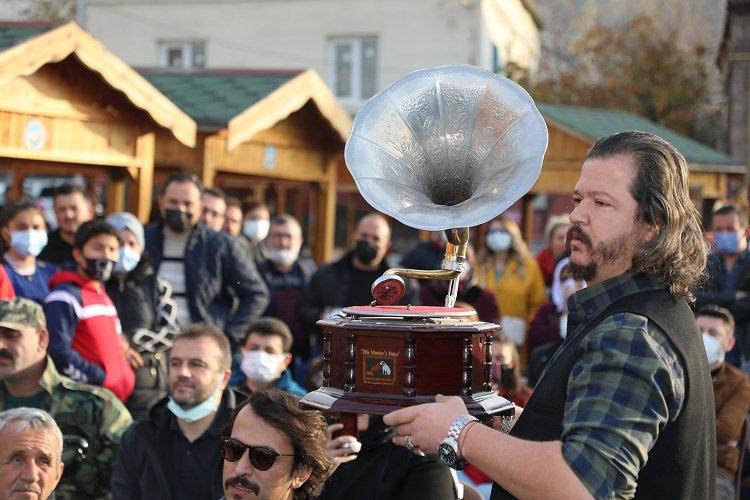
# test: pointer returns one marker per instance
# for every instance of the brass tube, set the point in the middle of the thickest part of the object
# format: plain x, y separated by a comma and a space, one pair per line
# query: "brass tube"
423, 274
455, 251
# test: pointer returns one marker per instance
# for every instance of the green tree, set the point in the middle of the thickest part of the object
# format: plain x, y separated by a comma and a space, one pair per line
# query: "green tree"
643, 68
55, 11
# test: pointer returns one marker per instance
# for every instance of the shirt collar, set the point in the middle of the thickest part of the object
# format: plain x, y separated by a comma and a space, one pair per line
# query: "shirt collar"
585, 303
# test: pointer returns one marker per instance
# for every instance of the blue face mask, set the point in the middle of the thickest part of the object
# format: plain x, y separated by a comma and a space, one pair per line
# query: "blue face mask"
129, 258
727, 242
28, 243
204, 409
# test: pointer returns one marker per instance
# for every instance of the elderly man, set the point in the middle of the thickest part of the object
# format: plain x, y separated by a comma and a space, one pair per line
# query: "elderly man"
31, 447
213, 280
287, 275
625, 407
274, 450
28, 378
174, 454
72, 208
347, 282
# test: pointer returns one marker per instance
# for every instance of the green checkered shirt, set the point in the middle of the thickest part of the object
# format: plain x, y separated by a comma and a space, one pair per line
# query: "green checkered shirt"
625, 387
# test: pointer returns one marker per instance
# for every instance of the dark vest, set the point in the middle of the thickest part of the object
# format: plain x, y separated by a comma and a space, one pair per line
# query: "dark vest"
682, 463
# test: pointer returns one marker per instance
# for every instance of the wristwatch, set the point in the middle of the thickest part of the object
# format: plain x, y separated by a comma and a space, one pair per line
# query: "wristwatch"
448, 449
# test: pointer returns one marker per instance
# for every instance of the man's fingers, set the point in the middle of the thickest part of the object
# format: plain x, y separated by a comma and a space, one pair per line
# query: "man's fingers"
331, 429
402, 416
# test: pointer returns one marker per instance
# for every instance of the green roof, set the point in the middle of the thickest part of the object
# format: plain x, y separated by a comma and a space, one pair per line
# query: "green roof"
13, 33
215, 97
596, 123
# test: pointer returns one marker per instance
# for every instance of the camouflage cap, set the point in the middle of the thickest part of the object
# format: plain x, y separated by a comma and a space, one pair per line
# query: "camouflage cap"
21, 313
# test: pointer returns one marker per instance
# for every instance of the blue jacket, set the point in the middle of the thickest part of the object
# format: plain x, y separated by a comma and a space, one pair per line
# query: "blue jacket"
284, 383
219, 273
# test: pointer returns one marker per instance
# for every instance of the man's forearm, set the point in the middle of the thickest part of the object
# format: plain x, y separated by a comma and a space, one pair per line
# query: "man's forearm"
526, 469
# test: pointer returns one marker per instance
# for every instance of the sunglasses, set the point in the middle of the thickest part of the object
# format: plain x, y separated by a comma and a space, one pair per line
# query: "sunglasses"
261, 458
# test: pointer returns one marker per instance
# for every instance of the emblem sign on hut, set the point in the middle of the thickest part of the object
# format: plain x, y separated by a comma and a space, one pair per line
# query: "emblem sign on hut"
379, 367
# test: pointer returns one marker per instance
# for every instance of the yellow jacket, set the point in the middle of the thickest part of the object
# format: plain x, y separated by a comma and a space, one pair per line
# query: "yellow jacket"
517, 293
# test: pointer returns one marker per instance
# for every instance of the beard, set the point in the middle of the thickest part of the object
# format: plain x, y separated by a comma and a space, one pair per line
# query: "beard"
603, 253
189, 399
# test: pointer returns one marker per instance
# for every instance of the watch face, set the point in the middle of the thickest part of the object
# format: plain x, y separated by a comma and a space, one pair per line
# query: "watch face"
447, 454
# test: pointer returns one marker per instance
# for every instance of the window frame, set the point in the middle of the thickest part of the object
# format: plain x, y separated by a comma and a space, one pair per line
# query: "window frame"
356, 79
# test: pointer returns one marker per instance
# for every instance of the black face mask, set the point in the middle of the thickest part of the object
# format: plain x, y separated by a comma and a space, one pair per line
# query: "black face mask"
365, 251
100, 269
177, 220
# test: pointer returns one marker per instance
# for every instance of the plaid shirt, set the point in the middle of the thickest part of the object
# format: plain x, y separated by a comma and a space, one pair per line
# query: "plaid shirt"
625, 387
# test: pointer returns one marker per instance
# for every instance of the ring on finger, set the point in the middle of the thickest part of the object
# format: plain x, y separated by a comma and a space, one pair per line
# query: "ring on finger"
409, 445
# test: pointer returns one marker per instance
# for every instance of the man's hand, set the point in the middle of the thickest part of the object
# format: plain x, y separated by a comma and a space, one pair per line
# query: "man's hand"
427, 424
134, 359
342, 449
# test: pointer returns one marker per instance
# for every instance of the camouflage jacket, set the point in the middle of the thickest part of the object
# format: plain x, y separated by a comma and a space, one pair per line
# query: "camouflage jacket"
83, 412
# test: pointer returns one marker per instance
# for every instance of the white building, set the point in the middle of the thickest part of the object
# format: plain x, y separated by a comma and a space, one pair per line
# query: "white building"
358, 45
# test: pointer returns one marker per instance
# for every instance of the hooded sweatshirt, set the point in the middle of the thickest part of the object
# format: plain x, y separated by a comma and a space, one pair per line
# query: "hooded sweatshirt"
84, 332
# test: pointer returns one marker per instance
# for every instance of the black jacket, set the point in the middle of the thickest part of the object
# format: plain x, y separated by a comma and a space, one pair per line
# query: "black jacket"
218, 272
58, 251
330, 287
136, 297
143, 468
384, 471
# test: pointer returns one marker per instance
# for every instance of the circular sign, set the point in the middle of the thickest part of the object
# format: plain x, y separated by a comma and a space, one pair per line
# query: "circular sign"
269, 158
34, 135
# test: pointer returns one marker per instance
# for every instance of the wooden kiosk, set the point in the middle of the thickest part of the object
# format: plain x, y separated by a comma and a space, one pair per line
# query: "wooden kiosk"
267, 135
69, 106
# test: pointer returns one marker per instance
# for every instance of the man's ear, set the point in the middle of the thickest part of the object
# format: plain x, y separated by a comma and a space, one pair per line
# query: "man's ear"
300, 475
287, 359
226, 378
730, 343
651, 232
43, 339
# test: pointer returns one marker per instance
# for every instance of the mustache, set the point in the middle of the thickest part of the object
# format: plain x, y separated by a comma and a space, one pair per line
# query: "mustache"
185, 381
4, 353
24, 486
577, 232
242, 482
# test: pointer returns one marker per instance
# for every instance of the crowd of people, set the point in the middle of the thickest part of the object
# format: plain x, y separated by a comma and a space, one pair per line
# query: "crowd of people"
164, 352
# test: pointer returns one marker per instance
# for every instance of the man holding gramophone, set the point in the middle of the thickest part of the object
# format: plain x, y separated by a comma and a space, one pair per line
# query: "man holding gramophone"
625, 407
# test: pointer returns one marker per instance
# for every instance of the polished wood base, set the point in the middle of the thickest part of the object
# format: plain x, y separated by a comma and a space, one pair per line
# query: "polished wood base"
376, 362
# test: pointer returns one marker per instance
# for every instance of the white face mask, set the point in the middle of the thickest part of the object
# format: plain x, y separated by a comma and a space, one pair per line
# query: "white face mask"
256, 229
283, 257
260, 366
714, 350
204, 409
498, 241
28, 243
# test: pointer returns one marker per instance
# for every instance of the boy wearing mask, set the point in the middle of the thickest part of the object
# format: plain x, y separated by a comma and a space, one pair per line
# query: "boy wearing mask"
86, 343
266, 355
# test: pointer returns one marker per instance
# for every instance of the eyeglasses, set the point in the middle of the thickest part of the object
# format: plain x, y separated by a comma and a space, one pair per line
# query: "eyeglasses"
261, 458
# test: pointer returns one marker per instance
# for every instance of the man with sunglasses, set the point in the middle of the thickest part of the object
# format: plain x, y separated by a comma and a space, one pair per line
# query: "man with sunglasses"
274, 450
175, 453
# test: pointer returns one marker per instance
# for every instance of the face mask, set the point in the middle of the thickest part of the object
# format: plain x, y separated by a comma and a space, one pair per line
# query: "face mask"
99, 269
256, 229
28, 243
563, 325
498, 241
365, 251
129, 258
714, 349
204, 409
727, 242
260, 366
177, 220
283, 257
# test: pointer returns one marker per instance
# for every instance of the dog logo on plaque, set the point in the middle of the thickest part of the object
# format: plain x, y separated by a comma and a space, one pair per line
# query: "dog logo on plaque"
379, 370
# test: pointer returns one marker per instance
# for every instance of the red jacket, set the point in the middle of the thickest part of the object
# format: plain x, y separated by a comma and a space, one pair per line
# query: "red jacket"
6, 287
84, 332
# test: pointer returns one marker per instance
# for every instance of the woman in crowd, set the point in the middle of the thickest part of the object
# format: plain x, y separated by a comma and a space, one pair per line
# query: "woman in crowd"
506, 269
24, 235
146, 313
556, 232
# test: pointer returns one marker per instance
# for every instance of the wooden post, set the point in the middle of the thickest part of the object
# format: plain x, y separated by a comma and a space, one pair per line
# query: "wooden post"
144, 151
116, 193
325, 220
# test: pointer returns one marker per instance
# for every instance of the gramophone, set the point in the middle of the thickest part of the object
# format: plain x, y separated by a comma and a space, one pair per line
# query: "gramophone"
440, 149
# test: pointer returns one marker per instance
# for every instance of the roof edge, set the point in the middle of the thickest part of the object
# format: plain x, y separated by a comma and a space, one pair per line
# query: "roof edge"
285, 100
53, 46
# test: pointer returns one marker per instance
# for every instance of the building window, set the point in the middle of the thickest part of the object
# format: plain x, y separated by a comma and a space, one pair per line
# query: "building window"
182, 55
352, 68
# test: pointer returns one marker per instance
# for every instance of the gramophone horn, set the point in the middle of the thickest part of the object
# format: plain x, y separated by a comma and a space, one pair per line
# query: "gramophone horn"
446, 147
